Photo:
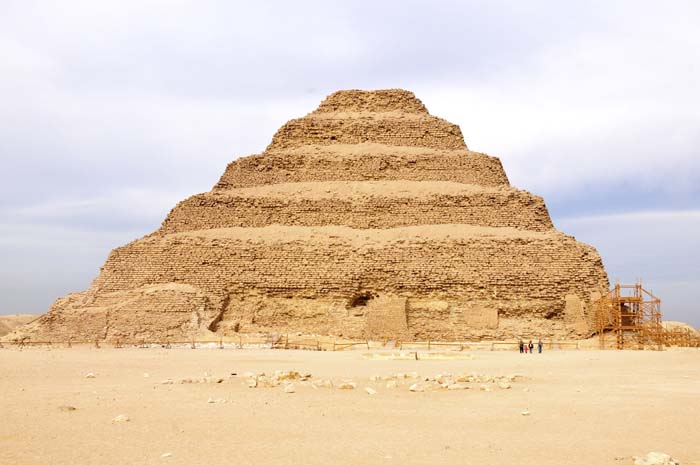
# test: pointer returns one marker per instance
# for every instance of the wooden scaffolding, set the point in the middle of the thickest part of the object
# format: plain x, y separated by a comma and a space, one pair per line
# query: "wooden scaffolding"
631, 315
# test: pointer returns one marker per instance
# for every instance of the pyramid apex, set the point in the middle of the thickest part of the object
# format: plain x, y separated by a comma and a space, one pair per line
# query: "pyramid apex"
379, 101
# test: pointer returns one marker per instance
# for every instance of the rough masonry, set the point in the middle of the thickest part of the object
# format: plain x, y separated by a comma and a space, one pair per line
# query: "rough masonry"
367, 218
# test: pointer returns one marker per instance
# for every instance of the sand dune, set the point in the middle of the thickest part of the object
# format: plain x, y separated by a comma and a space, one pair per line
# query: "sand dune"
8, 323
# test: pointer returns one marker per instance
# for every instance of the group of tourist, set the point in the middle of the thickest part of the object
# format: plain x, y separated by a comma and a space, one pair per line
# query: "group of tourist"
530, 347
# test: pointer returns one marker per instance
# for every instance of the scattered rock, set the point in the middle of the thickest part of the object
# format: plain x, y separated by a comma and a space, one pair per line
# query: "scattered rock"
167, 381
458, 386
289, 388
90, 375
347, 385
121, 419
525, 413
210, 401
504, 385
252, 382
416, 388
322, 383
655, 458
67, 408
286, 375
485, 388
391, 384
166, 455
370, 391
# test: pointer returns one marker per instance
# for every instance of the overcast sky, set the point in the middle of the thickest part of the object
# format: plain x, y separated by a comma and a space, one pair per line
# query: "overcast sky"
111, 112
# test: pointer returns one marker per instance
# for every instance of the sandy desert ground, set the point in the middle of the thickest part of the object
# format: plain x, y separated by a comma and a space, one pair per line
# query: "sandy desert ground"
585, 407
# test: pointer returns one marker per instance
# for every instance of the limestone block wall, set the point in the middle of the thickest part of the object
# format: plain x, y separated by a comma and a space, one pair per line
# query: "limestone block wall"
380, 128
150, 312
537, 265
386, 100
361, 163
223, 209
516, 276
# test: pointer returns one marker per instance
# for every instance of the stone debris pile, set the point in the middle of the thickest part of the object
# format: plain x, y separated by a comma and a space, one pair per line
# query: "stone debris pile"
655, 458
446, 380
280, 377
409, 380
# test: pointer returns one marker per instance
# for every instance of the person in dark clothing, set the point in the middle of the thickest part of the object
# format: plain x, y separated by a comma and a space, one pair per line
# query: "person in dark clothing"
531, 346
522, 346
539, 346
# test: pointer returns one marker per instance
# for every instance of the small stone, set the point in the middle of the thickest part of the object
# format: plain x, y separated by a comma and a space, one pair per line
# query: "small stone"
146, 375
120, 419
412, 375
458, 386
504, 385
391, 384
347, 385
485, 388
90, 375
166, 455
322, 383
289, 388
416, 388
286, 375
210, 401
167, 381
370, 391
525, 413
252, 382
67, 408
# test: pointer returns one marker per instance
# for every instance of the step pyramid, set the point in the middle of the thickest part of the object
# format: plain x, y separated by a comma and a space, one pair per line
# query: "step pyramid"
367, 218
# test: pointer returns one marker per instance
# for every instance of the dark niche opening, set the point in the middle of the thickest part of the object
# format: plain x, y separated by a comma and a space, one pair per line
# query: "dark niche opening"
551, 314
361, 300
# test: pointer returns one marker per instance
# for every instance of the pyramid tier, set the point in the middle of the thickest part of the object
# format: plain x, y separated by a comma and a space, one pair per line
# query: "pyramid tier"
363, 162
394, 128
359, 220
452, 280
360, 204
378, 101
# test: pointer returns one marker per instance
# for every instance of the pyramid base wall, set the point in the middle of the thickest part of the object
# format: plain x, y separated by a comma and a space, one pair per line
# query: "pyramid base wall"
445, 282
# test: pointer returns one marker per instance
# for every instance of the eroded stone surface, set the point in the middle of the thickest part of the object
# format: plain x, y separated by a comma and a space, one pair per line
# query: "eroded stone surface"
367, 218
